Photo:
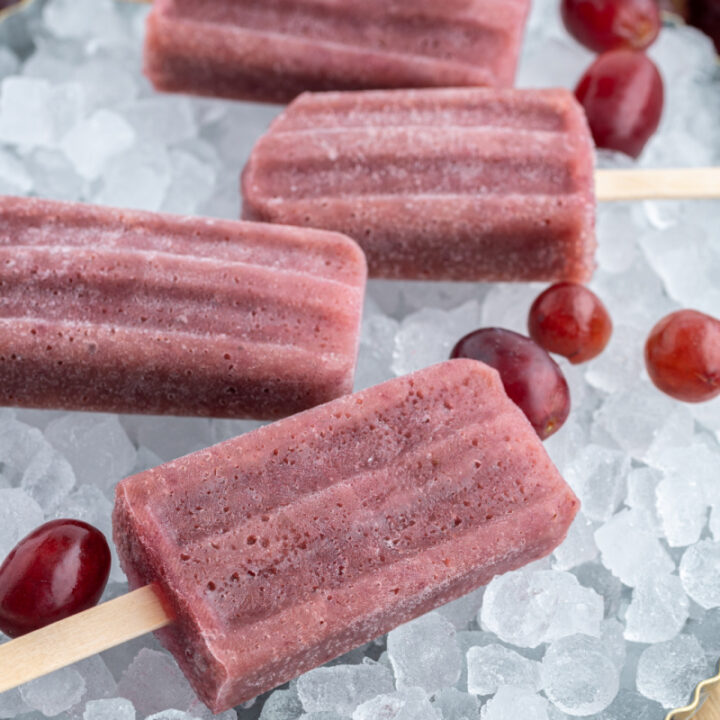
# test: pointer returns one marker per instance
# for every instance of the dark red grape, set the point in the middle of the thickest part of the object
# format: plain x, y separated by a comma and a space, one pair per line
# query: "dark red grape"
532, 379
682, 355
703, 14
58, 570
570, 320
622, 94
612, 24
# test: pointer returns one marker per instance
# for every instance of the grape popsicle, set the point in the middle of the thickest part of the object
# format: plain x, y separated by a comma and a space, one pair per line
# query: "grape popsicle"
474, 184
273, 50
274, 552
126, 311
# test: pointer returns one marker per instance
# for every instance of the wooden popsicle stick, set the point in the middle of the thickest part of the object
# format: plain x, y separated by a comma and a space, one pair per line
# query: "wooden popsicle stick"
670, 184
80, 636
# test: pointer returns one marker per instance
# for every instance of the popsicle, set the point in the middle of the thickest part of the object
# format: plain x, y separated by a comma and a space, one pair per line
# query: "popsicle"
126, 311
469, 184
283, 548
272, 50
442, 184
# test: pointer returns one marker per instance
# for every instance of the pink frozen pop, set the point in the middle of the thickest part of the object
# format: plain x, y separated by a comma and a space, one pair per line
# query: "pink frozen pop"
450, 184
273, 50
274, 552
127, 311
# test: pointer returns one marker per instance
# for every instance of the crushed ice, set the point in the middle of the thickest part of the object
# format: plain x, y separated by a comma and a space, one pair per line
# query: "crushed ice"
618, 624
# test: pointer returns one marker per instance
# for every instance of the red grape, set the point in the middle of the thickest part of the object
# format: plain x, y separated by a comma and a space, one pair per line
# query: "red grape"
622, 93
532, 379
570, 320
611, 24
58, 570
682, 356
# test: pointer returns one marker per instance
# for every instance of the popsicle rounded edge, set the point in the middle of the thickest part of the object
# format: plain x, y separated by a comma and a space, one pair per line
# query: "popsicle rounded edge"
571, 252
565, 503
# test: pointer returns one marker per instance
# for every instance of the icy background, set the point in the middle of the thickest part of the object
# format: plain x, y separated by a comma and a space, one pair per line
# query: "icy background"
618, 624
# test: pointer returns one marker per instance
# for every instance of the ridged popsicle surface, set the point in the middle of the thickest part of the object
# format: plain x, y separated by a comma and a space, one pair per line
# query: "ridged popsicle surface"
127, 311
283, 548
273, 50
458, 184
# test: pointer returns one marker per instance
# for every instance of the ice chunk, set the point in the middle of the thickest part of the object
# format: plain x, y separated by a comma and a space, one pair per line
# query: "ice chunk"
93, 142
343, 687
714, 523
633, 419
658, 610
612, 637
506, 305
192, 184
282, 705
424, 653
707, 630
153, 682
25, 116
578, 675
14, 178
641, 496
48, 478
170, 438
578, 547
619, 367
99, 682
171, 715
598, 476
97, 447
507, 702
688, 267
19, 443
699, 573
54, 693
9, 62
137, 179
631, 551
466, 640
100, 93
19, 516
603, 582
630, 705
675, 432
109, 709
376, 347
669, 671
87, 503
164, 120
451, 704
494, 666
682, 509
617, 248
53, 177
84, 18
407, 704
428, 336
12, 704
462, 612
529, 608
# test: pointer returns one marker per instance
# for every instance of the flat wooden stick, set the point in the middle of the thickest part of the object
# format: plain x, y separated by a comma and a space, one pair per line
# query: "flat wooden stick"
675, 184
80, 636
